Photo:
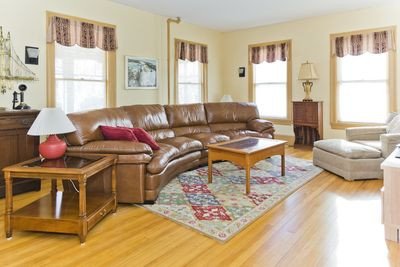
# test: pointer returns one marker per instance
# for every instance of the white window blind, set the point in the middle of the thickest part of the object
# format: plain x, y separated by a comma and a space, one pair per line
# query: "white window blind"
363, 88
190, 82
80, 77
270, 87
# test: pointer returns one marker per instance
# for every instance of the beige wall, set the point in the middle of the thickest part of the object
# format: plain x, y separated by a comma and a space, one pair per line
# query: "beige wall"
310, 40
139, 34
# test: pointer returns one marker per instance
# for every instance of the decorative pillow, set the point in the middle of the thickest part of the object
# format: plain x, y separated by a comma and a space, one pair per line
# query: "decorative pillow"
117, 133
394, 125
145, 137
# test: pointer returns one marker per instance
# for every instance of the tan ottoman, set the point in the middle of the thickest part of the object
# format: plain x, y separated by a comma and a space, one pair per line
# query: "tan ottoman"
350, 160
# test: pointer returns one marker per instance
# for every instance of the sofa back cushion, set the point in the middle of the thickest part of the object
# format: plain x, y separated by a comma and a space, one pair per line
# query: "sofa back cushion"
152, 118
187, 119
231, 112
87, 124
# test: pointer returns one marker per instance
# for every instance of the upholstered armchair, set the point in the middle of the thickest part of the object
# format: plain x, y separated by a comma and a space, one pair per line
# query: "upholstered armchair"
385, 138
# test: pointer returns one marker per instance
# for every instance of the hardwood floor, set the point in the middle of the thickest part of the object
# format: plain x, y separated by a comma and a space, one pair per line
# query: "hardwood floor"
327, 222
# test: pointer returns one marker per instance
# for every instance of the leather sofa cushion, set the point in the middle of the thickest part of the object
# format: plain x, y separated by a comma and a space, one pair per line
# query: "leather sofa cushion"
152, 118
162, 157
259, 125
87, 124
347, 149
113, 147
186, 115
183, 144
231, 112
220, 127
235, 134
209, 138
191, 129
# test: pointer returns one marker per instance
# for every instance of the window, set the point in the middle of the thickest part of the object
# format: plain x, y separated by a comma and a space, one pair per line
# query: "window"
362, 88
80, 71
80, 78
191, 61
190, 82
270, 88
362, 82
270, 80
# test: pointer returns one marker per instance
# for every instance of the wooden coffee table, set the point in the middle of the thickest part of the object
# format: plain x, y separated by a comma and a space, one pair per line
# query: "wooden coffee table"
62, 212
246, 152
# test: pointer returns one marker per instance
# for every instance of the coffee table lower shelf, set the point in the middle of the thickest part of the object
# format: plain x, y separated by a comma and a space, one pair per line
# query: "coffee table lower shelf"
59, 213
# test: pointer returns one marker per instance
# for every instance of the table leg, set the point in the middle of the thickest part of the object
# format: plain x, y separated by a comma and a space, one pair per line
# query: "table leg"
82, 210
54, 185
248, 179
283, 164
9, 205
114, 186
209, 168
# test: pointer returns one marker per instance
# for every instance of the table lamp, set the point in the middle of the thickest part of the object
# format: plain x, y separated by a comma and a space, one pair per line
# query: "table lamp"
51, 121
226, 98
307, 73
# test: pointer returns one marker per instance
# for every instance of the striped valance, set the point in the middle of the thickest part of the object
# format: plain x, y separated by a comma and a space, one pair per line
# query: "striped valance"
375, 42
70, 32
269, 53
191, 51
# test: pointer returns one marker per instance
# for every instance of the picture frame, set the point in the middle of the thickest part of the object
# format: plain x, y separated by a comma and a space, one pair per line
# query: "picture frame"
141, 73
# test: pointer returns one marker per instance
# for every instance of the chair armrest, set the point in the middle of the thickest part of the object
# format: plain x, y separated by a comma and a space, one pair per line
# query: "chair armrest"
261, 126
389, 142
365, 133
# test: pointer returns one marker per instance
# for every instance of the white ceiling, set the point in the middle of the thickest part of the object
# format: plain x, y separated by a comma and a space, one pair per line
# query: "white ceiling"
228, 15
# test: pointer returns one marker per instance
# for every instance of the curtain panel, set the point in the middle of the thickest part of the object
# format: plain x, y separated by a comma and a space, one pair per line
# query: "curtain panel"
69, 32
358, 44
269, 53
191, 51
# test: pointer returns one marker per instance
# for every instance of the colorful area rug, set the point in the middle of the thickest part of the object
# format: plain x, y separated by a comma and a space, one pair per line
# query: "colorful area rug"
222, 209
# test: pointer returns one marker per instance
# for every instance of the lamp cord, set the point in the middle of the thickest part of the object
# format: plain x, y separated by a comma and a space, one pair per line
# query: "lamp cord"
76, 189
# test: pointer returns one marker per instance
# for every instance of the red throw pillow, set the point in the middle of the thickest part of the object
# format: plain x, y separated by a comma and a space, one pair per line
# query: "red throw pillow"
117, 133
145, 137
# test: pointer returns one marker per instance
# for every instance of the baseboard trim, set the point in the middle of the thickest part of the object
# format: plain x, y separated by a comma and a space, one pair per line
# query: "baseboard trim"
289, 138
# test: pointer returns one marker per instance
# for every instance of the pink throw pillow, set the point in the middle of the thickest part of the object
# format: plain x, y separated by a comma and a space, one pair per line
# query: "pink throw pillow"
145, 137
117, 133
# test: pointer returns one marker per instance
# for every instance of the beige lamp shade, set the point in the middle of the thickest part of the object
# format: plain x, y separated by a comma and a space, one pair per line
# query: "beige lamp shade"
51, 121
308, 72
226, 98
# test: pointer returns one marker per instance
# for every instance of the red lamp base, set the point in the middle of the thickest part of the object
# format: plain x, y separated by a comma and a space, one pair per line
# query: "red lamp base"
52, 148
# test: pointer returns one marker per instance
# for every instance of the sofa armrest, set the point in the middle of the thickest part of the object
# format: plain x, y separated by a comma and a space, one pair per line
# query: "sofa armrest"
261, 126
365, 133
389, 142
113, 147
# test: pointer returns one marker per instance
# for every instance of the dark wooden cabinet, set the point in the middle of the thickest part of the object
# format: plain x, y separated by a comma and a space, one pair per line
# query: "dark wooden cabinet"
307, 122
17, 146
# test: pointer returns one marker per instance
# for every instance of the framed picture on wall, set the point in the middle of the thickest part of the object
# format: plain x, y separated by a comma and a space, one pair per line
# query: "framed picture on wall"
140, 73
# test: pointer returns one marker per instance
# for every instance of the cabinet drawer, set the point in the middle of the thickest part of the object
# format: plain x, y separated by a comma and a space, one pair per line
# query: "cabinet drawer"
16, 122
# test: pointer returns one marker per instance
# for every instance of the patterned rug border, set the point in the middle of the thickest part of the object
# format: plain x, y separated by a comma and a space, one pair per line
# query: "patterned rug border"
260, 210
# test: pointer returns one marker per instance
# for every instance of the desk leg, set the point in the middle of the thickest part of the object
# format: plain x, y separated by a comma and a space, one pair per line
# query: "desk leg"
209, 168
248, 179
283, 164
83, 229
9, 205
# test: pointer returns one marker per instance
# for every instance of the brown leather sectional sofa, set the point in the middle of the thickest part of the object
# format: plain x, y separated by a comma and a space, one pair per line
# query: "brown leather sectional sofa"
182, 132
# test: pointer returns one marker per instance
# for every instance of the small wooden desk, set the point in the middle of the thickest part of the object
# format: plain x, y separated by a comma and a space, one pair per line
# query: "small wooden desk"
61, 212
246, 152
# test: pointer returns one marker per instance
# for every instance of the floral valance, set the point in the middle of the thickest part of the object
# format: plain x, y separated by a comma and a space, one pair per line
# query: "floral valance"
191, 51
357, 44
269, 53
70, 32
